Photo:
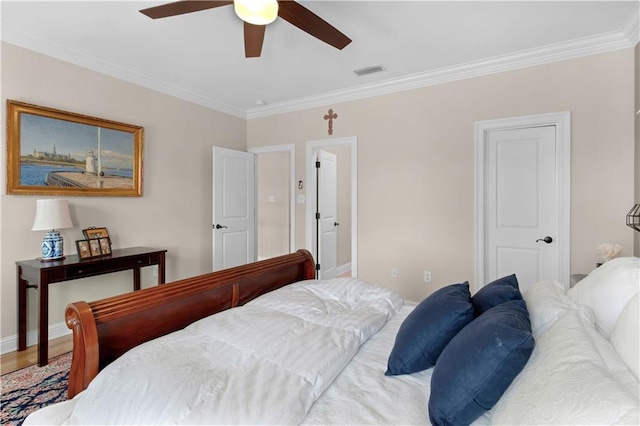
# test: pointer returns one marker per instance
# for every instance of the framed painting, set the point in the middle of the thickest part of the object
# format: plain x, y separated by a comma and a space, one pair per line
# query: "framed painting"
53, 152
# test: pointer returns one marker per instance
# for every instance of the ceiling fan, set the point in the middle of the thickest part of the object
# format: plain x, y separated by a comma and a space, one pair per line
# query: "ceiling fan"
256, 14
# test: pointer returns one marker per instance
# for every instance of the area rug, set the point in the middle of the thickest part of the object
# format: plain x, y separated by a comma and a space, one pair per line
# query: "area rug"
30, 388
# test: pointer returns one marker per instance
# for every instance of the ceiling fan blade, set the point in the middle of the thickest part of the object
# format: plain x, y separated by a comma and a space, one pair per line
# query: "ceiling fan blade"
307, 21
180, 7
253, 38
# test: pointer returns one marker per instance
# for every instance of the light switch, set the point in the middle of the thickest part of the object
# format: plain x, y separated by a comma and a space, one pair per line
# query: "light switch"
272, 199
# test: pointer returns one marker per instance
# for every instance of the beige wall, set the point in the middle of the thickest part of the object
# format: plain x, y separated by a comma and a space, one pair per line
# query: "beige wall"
175, 211
416, 163
415, 169
273, 203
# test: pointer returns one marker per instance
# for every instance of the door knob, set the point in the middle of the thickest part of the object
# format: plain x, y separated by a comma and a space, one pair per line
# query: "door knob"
335, 224
218, 226
546, 239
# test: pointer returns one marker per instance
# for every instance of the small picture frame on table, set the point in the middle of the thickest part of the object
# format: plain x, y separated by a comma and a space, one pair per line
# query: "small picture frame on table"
93, 232
84, 250
94, 244
101, 234
105, 245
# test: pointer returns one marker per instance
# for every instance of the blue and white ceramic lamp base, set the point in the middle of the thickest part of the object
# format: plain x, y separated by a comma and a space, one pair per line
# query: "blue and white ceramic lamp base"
52, 246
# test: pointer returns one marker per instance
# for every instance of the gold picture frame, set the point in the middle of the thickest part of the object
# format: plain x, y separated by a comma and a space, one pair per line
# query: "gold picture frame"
54, 152
93, 232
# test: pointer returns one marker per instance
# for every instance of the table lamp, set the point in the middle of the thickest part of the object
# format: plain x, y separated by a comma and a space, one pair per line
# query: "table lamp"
52, 215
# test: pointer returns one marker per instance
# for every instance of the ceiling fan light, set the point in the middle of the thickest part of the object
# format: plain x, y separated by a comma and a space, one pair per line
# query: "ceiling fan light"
256, 12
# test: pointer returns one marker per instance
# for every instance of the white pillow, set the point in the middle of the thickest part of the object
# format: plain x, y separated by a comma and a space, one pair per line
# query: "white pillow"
546, 302
566, 381
625, 335
608, 289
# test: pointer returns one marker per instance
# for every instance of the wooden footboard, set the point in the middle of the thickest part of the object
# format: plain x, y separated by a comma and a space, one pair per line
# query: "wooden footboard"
105, 329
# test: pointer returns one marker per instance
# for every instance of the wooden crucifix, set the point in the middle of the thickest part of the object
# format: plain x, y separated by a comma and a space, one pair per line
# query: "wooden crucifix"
330, 116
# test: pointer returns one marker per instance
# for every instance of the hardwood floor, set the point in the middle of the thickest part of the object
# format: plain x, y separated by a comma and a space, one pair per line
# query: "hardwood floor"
13, 361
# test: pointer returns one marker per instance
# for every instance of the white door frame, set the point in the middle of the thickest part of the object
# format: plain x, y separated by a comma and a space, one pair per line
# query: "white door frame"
291, 149
312, 147
562, 121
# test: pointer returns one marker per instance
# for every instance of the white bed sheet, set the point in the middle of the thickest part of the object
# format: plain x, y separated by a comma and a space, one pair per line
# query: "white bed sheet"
342, 318
362, 394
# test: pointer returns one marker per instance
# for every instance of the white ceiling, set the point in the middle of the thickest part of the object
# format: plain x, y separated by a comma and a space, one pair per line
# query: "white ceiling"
200, 56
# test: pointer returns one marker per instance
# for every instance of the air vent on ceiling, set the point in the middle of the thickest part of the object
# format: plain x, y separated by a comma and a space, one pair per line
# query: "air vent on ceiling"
368, 70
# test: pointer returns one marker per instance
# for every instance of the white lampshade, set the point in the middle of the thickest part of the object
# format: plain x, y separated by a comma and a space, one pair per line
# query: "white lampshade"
256, 12
52, 214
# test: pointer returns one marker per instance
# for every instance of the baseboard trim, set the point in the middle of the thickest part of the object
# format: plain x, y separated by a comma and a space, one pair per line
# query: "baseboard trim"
10, 344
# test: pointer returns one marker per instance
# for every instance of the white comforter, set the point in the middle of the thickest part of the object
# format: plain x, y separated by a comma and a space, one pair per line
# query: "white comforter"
240, 366
573, 376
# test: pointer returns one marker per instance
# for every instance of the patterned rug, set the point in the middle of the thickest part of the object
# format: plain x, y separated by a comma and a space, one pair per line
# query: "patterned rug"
30, 388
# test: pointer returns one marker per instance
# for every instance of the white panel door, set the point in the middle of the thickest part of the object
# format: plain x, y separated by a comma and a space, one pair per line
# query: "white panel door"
233, 208
521, 208
327, 211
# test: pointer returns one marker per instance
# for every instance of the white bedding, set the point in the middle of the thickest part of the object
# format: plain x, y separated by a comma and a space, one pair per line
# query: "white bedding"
362, 394
574, 375
569, 380
236, 369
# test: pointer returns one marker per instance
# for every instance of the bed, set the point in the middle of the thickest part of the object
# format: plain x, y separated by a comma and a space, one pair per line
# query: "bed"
265, 343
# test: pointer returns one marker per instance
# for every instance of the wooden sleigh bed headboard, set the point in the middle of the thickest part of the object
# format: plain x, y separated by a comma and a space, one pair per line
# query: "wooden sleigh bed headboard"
105, 329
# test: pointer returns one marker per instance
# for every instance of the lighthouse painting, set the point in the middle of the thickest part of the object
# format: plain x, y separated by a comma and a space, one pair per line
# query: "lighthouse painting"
56, 152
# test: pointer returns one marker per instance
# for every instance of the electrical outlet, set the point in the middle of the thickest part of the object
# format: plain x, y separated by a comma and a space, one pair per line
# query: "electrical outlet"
394, 272
427, 276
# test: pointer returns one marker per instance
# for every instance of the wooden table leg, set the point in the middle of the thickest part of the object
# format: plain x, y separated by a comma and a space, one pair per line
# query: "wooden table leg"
161, 276
22, 310
136, 279
43, 322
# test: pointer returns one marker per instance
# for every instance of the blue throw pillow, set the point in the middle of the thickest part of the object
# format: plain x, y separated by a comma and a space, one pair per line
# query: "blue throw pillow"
428, 328
496, 292
479, 364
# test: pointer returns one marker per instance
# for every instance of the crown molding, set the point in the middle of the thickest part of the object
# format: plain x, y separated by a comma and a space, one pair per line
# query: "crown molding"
64, 53
627, 37
631, 28
586, 46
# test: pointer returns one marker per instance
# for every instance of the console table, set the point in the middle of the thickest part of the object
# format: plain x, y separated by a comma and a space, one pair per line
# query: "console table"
37, 274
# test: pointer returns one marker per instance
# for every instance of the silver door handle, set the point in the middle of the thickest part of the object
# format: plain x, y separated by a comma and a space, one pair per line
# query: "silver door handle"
546, 239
